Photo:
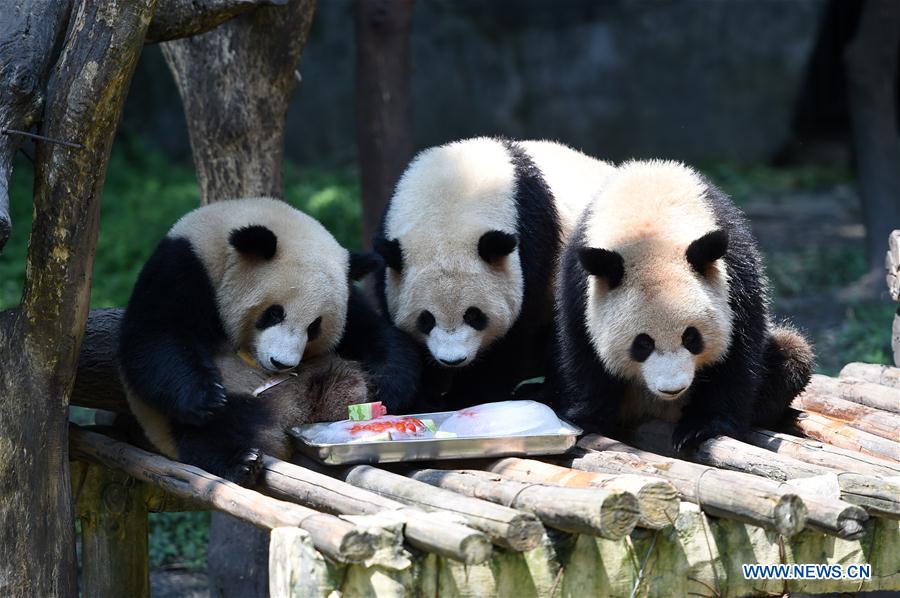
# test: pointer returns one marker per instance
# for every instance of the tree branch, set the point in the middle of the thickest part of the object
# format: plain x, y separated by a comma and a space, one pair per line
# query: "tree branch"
235, 83
175, 19
29, 30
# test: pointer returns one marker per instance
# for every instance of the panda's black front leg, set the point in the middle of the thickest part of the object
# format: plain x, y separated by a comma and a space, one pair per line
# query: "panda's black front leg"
390, 357
720, 404
176, 375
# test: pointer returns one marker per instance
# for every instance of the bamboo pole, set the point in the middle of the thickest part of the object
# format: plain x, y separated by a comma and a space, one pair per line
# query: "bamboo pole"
813, 425
429, 532
874, 373
819, 453
657, 498
610, 514
820, 397
334, 537
504, 526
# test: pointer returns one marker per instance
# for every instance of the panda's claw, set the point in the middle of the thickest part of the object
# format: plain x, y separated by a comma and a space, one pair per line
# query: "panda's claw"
688, 436
247, 467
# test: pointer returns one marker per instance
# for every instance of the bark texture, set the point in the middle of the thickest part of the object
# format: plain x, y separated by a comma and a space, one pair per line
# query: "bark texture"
175, 19
29, 30
40, 341
384, 127
871, 61
235, 83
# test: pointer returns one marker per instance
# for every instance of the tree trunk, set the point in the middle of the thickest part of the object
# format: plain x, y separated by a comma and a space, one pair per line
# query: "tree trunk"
383, 102
871, 64
235, 83
29, 30
40, 341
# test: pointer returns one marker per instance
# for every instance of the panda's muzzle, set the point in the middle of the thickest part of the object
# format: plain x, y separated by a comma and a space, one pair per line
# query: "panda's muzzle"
281, 366
453, 362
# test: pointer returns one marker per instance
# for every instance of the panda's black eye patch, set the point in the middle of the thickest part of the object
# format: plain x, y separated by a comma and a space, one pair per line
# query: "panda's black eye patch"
273, 315
425, 322
642, 347
475, 318
314, 330
692, 340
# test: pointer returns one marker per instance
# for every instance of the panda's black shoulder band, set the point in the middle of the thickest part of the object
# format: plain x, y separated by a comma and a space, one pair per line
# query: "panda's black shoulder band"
364, 263
254, 240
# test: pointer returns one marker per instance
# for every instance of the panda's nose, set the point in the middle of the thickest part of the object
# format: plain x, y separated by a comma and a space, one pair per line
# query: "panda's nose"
672, 392
280, 366
452, 361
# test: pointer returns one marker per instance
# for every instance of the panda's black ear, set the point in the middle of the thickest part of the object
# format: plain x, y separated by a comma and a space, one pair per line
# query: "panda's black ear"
496, 244
254, 241
364, 263
603, 263
390, 251
707, 249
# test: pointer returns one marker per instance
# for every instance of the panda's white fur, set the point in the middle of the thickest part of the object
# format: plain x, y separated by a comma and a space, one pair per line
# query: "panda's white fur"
448, 197
649, 213
306, 253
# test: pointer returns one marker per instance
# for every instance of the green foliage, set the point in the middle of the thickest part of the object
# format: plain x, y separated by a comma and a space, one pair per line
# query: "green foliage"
815, 269
864, 335
742, 181
179, 540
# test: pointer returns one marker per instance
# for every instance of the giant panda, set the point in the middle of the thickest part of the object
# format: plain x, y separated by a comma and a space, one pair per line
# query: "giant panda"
259, 277
663, 311
471, 239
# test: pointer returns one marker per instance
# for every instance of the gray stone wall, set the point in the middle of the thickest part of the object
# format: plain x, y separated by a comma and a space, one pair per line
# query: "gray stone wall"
692, 79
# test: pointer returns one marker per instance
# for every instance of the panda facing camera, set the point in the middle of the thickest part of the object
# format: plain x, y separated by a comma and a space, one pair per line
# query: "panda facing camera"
471, 240
663, 312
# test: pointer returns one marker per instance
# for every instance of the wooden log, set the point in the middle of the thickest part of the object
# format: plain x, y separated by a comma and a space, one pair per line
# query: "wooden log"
874, 396
657, 498
819, 453
814, 425
875, 373
609, 514
730, 494
722, 452
114, 526
861, 417
423, 530
895, 337
828, 514
504, 526
338, 539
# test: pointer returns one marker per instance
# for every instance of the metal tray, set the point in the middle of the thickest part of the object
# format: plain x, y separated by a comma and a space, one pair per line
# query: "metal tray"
427, 449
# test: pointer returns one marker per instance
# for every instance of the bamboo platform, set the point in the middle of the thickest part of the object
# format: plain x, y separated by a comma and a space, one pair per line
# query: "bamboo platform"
609, 519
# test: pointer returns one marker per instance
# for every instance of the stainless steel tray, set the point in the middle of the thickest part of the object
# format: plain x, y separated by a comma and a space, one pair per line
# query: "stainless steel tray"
427, 449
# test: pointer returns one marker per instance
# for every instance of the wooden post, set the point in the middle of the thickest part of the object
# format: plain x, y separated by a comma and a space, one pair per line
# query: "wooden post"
112, 508
892, 262
39, 343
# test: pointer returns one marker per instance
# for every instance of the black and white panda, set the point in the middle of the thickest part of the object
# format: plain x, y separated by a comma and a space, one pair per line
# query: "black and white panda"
258, 276
471, 239
663, 311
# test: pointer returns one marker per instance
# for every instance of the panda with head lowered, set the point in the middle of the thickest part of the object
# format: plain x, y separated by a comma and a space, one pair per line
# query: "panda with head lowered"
471, 240
663, 312
260, 277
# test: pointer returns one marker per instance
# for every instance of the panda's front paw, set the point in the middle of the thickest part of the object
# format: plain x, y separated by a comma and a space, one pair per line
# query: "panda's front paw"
198, 404
690, 434
246, 468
